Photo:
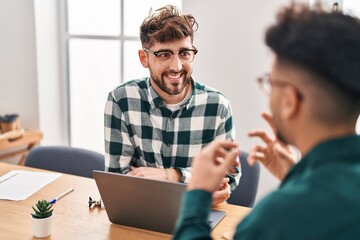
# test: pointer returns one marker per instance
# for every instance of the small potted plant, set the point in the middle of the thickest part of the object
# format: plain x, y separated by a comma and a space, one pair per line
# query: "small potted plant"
42, 218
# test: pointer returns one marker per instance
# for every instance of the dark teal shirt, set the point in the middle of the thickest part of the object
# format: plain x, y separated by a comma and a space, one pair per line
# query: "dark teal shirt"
318, 199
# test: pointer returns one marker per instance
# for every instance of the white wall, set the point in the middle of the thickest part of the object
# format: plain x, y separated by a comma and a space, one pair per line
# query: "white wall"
18, 77
231, 55
30, 80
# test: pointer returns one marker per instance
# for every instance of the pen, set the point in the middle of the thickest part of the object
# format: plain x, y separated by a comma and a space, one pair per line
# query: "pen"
61, 196
7, 178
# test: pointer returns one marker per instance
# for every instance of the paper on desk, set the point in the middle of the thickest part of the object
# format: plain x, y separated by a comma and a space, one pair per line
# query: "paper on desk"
18, 185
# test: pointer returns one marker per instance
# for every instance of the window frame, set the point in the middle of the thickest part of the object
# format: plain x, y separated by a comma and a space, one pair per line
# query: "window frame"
65, 38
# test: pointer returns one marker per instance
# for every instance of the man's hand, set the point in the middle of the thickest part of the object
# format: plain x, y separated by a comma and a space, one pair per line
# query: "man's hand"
210, 166
275, 156
156, 173
222, 194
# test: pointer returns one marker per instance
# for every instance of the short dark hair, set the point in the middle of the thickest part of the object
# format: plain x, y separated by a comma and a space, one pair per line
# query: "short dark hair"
167, 24
325, 44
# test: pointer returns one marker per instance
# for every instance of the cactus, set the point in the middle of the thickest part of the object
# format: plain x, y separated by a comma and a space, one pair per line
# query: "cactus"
42, 210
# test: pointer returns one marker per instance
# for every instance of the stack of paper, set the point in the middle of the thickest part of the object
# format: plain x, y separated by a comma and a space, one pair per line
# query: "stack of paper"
18, 185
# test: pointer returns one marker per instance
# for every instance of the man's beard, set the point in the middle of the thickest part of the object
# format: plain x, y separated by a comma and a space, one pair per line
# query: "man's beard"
177, 87
279, 135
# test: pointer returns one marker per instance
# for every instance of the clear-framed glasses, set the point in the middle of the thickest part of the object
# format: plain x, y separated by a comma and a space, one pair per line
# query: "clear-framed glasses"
266, 83
166, 56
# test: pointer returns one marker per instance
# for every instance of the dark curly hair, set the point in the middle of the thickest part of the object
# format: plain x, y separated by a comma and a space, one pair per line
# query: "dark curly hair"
165, 25
327, 45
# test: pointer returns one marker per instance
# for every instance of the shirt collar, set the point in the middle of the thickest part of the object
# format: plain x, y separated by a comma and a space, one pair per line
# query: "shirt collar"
346, 148
153, 98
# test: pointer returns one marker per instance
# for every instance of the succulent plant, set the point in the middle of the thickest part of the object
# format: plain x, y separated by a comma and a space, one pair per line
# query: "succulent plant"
42, 210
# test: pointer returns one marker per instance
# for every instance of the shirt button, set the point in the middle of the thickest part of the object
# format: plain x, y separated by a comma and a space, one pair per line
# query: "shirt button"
168, 144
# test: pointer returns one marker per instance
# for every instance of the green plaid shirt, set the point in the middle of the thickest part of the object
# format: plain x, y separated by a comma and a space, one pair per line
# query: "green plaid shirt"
140, 131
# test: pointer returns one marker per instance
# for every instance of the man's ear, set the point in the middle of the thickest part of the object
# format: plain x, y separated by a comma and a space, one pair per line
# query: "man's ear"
291, 103
143, 58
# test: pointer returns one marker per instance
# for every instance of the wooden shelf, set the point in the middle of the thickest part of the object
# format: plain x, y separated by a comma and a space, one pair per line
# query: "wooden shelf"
18, 143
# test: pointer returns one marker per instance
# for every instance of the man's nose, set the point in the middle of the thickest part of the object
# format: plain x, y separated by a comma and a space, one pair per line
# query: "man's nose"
176, 64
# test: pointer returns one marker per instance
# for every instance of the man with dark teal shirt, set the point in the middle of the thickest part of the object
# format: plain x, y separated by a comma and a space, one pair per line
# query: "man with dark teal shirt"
314, 97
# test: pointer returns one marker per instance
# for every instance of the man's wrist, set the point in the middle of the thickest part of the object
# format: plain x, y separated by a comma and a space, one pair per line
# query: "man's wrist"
174, 174
166, 174
180, 174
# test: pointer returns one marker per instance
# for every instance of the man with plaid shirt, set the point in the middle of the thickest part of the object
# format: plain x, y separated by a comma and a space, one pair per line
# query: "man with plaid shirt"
154, 126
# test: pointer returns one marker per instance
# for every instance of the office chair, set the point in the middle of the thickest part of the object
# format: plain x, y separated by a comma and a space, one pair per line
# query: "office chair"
63, 159
245, 193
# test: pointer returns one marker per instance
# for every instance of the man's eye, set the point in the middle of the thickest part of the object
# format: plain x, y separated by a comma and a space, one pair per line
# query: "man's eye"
185, 53
164, 55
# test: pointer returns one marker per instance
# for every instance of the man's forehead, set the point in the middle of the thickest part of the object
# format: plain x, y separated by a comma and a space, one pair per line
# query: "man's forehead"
174, 45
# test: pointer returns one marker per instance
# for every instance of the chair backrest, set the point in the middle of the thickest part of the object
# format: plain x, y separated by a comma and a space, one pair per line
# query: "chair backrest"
245, 193
69, 160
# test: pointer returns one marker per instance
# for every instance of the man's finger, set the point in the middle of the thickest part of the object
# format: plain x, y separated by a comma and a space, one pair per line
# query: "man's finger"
227, 144
229, 160
221, 195
218, 148
221, 153
253, 158
261, 134
135, 170
269, 119
224, 180
259, 148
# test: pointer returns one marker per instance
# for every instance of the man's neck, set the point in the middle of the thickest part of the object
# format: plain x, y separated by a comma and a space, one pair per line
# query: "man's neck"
316, 135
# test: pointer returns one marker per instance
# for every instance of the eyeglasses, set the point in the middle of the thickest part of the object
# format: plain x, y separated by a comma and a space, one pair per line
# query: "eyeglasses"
266, 83
166, 56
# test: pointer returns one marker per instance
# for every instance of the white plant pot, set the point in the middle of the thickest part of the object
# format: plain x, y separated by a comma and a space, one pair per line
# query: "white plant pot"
42, 226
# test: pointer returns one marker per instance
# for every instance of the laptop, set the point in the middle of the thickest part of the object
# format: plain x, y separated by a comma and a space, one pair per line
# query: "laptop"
143, 203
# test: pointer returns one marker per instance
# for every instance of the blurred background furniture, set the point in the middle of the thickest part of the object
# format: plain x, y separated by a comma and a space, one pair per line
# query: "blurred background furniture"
9, 122
63, 159
16, 144
245, 193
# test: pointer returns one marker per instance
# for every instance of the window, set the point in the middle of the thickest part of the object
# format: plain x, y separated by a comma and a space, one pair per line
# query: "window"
100, 44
